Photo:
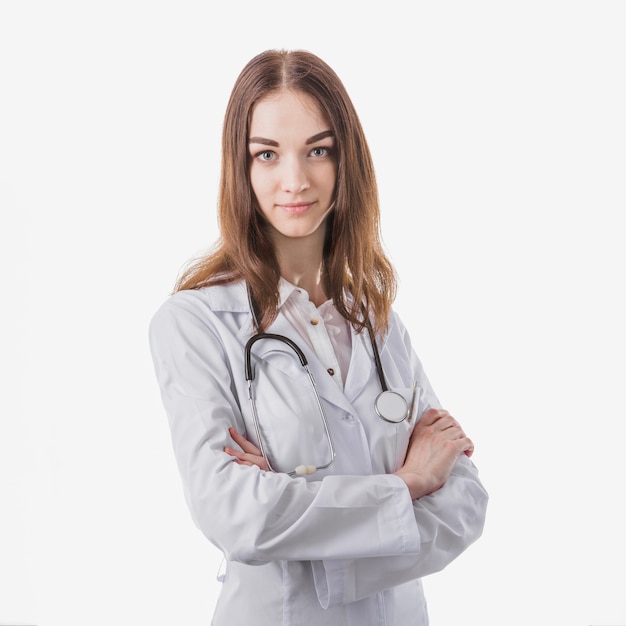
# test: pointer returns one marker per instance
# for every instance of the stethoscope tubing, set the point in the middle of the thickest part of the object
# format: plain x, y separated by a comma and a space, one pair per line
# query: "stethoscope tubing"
255, 417
292, 344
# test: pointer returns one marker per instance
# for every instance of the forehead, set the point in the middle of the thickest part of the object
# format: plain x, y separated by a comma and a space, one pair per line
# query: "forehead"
288, 113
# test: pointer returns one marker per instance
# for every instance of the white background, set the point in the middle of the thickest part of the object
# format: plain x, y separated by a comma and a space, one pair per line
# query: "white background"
498, 133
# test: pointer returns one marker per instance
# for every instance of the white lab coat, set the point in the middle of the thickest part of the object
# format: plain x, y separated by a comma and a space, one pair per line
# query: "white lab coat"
345, 546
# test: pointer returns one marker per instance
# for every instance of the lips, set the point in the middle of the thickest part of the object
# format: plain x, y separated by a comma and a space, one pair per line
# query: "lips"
295, 208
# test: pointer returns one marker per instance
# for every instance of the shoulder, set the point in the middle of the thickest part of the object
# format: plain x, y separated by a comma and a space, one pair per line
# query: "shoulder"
203, 307
398, 338
218, 298
396, 328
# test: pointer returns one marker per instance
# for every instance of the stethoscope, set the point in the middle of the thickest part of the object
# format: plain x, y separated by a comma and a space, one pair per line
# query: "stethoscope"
390, 406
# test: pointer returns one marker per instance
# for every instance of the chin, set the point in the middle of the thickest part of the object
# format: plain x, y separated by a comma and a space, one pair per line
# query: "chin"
299, 231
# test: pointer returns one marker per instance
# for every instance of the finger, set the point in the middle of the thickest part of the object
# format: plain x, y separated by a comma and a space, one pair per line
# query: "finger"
457, 433
240, 462
232, 452
446, 422
245, 458
466, 445
432, 415
243, 443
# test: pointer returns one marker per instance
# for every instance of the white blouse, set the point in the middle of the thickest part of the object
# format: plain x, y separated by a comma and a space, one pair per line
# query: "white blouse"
324, 329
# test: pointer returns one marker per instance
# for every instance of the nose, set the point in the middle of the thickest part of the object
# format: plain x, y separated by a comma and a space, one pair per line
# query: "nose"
294, 178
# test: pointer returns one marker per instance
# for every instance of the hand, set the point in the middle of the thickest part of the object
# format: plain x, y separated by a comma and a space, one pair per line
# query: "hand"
251, 455
435, 445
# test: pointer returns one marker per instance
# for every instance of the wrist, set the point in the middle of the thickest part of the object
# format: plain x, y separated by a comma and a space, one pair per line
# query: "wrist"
415, 484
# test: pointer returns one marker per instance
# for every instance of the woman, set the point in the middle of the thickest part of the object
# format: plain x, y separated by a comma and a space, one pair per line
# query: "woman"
329, 513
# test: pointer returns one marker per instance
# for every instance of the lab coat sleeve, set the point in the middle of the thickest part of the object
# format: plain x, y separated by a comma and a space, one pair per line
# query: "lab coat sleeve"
251, 515
449, 520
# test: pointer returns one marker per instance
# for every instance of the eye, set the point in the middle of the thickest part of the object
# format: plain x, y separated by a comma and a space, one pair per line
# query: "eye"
266, 155
320, 151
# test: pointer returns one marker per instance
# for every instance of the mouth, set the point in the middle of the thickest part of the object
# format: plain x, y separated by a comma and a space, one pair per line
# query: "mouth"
295, 208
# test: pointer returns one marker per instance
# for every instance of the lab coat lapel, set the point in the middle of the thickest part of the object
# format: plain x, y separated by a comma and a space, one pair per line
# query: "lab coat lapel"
362, 371
326, 387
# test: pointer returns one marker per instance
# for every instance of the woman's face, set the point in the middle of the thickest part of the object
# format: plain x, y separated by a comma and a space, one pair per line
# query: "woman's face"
293, 168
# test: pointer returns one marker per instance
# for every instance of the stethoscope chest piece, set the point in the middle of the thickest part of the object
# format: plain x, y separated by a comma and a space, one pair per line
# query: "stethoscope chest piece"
391, 406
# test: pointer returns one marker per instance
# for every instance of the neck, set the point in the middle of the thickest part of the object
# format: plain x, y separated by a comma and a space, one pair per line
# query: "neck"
301, 263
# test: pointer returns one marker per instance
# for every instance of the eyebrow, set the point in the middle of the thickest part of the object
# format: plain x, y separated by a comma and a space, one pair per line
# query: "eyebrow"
319, 136
310, 140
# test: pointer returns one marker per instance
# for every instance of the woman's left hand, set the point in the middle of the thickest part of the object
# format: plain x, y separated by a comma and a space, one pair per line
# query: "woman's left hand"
251, 455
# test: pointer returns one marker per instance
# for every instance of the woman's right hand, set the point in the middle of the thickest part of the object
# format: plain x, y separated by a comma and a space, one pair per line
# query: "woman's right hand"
435, 444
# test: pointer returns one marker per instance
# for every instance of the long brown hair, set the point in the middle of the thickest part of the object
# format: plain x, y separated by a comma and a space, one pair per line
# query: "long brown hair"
354, 261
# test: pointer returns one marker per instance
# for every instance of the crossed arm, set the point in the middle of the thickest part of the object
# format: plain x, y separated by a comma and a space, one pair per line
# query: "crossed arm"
435, 445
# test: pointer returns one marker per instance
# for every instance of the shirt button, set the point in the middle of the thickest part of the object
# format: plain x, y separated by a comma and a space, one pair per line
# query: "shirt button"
331, 371
314, 321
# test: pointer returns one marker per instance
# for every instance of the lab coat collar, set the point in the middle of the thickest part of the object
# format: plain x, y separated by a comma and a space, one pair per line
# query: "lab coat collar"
285, 289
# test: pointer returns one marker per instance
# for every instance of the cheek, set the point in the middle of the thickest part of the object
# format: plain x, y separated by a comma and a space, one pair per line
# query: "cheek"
325, 178
260, 183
